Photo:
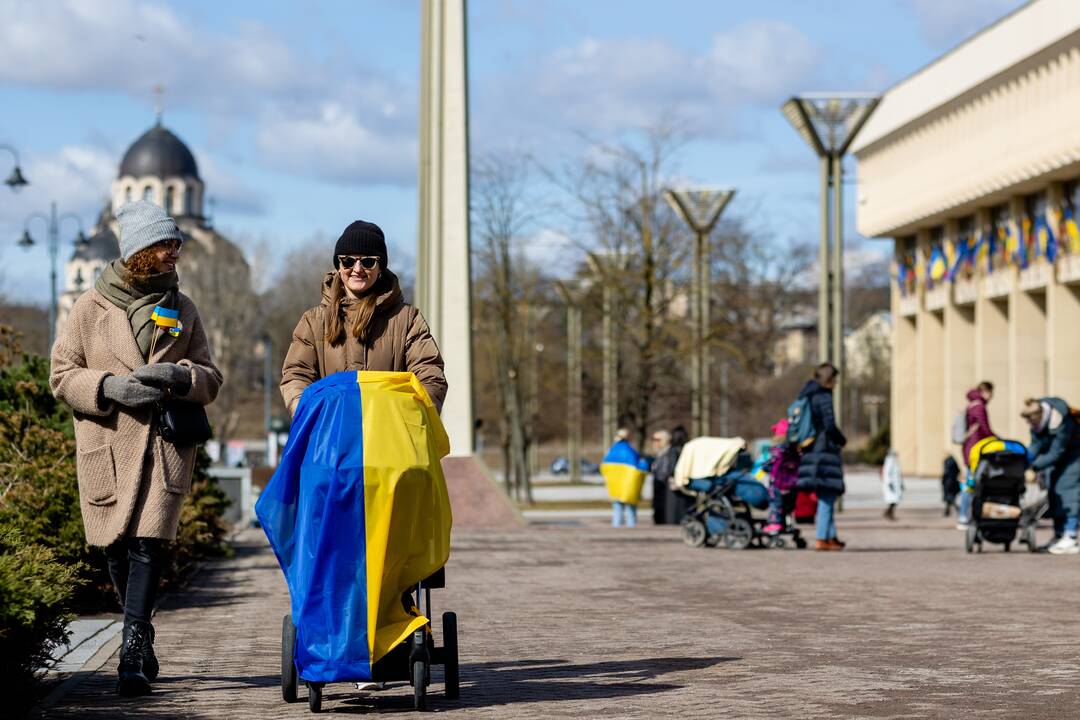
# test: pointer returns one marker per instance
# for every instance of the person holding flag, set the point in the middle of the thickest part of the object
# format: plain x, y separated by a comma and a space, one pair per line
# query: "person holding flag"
131, 342
624, 471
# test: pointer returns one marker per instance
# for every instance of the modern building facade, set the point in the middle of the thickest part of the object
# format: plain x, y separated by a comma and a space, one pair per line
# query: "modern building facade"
972, 167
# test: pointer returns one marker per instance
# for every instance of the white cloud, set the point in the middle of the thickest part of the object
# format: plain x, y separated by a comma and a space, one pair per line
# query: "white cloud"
611, 85
337, 144
244, 71
947, 22
229, 192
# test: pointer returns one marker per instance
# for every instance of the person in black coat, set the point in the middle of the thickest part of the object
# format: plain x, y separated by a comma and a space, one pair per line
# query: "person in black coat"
676, 503
821, 468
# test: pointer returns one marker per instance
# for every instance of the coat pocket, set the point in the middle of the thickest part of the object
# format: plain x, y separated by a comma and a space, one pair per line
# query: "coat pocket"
97, 475
177, 465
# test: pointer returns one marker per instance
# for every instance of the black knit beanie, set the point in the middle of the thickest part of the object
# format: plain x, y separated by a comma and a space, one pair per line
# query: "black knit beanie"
362, 239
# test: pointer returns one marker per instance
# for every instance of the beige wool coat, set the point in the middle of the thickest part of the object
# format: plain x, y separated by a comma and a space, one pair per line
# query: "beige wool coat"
131, 482
402, 343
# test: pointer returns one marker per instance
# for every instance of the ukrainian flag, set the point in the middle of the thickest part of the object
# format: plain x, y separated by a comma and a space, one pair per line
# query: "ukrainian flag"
1045, 242
1070, 230
167, 319
624, 473
938, 267
357, 513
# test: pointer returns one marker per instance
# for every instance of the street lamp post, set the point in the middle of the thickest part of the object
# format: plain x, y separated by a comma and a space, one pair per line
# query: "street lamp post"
607, 268
829, 122
52, 222
15, 180
700, 208
572, 300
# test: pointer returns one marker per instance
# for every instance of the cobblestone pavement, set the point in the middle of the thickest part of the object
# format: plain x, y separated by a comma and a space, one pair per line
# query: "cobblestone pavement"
585, 621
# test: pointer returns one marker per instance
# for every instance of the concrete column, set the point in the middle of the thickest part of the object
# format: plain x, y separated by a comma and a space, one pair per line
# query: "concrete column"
1027, 354
1062, 320
959, 357
443, 272
992, 356
929, 385
904, 420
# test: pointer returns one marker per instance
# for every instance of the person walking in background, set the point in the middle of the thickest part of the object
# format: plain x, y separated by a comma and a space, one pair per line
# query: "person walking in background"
663, 468
783, 471
950, 483
677, 503
821, 468
1055, 448
624, 471
114, 360
977, 422
892, 483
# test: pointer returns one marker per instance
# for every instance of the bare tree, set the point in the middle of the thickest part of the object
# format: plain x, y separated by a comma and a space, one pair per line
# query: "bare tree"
506, 288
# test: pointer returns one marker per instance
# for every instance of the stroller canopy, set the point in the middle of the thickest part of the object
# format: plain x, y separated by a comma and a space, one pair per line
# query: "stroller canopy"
707, 457
357, 513
994, 446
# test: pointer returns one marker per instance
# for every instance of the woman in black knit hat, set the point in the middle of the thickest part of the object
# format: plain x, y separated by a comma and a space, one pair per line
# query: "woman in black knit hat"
362, 323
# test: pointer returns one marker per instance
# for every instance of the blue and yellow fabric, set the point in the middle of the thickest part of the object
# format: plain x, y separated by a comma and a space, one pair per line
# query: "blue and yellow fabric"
624, 470
963, 256
168, 320
1070, 232
1045, 241
937, 267
357, 513
992, 445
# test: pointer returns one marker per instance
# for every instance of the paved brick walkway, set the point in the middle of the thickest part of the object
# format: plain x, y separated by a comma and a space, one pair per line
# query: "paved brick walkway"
585, 621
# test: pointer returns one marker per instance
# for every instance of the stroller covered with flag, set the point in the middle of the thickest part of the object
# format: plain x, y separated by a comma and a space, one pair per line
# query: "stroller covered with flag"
996, 508
359, 517
717, 473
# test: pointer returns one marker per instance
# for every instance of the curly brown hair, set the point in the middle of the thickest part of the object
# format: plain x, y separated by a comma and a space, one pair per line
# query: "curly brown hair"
141, 265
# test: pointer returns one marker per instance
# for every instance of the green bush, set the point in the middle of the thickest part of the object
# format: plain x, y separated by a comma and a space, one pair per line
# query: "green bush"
877, 447
46, 568
35, 594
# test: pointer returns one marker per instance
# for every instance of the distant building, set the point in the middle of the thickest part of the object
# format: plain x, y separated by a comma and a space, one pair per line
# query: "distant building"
972, 167
868, 348
797, 344
160, 168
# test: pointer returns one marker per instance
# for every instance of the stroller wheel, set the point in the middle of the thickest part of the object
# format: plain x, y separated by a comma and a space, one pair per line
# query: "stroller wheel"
1029, 538
969, 537
450, 655
739, 534
800, 543
419, 683
289, 680
1007, 546
694, 533
314, 697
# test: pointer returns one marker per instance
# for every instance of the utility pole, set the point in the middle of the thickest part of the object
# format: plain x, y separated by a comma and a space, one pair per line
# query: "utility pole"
829, 122
52, 223
572, 300
700, 209
606, 269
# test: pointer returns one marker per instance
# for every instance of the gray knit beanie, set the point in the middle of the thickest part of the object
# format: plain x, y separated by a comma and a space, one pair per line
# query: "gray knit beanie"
143, 224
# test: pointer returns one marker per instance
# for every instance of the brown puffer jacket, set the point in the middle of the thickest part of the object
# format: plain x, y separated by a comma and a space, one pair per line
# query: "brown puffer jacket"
402, 342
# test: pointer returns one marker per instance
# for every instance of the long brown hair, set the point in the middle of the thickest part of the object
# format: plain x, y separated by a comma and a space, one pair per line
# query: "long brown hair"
363, 325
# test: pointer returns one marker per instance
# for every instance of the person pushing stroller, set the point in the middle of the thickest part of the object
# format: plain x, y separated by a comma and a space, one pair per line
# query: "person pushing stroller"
1055, 448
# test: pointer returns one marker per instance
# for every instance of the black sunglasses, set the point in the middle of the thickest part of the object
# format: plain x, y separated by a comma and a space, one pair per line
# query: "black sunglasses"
368, 262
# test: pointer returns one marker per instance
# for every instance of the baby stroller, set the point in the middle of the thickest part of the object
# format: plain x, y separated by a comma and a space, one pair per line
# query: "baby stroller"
716, 473
999, 484
359, 517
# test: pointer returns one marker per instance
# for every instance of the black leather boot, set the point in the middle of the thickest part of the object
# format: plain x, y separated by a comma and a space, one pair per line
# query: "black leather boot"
150, 662
132, 680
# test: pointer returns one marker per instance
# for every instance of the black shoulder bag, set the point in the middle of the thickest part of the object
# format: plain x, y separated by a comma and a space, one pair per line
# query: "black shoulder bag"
183, 423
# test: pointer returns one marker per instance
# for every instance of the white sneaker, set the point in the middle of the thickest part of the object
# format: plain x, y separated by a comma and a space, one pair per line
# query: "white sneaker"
370, 686
1065, 546
962, 525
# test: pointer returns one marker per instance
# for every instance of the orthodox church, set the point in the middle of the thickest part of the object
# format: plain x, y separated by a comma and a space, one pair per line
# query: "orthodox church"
160, 168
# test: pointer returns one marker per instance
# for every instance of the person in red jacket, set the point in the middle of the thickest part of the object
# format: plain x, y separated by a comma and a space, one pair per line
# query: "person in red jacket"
978, 428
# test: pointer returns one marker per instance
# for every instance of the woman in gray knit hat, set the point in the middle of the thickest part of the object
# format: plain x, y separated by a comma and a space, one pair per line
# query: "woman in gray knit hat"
131, 342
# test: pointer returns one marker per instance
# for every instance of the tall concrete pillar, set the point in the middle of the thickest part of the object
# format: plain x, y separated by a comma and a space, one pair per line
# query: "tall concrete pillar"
929, 384
1062, 319
904, 420
443, 276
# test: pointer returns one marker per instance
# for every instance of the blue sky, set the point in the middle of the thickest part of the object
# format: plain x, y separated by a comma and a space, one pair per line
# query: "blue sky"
302, 115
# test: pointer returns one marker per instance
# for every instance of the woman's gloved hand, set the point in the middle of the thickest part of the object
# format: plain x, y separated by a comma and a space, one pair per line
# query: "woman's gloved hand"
170, 376
129, 391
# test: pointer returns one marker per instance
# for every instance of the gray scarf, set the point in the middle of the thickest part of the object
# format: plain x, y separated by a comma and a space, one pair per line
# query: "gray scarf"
139, 297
